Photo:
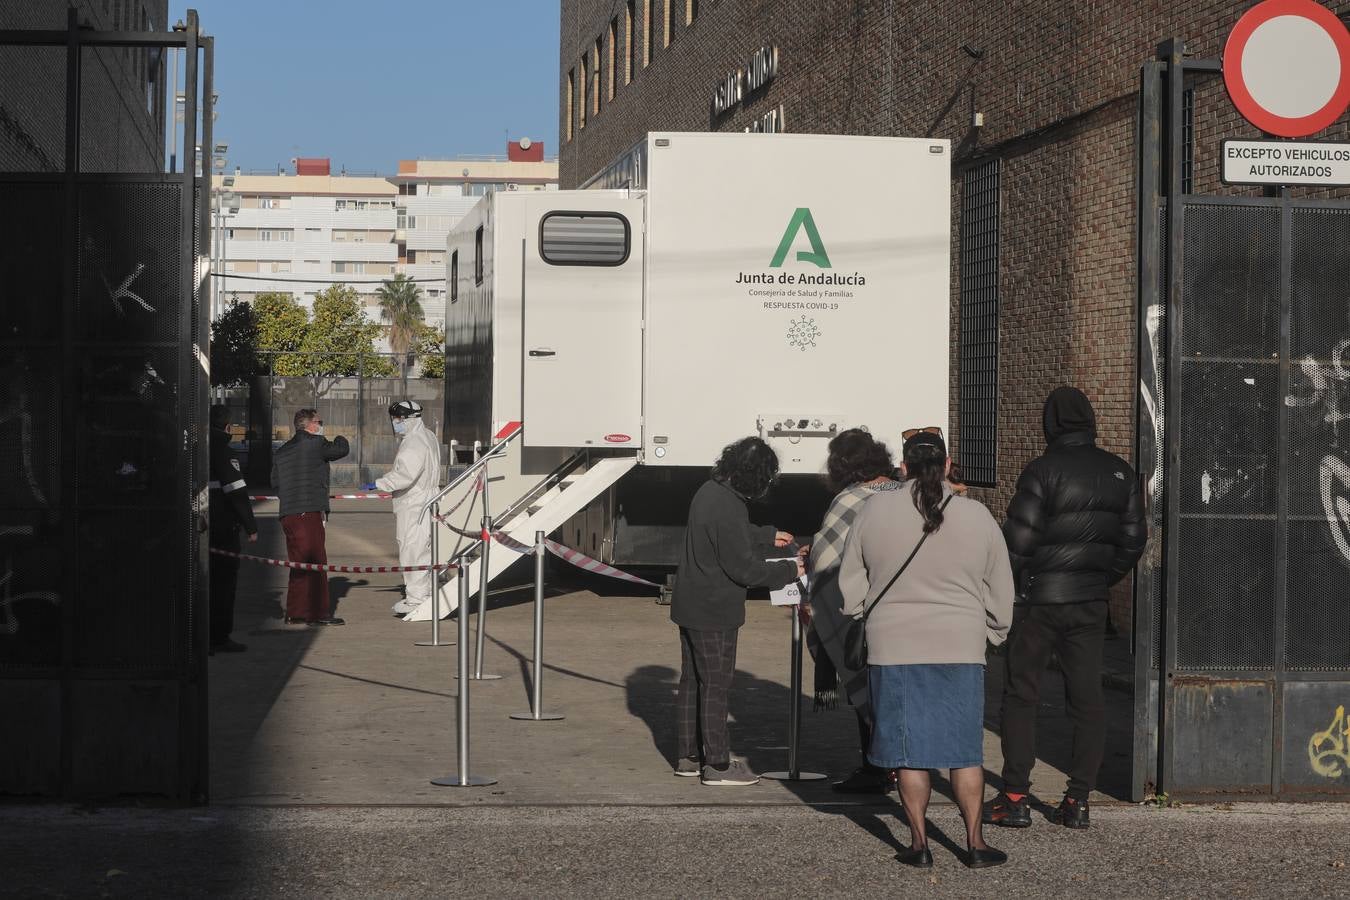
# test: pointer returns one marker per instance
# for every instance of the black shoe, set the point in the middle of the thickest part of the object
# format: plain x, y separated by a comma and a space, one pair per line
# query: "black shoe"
1007, 812
922, 858
985, 859
1072, 813
864, 780
228, 646
331, 620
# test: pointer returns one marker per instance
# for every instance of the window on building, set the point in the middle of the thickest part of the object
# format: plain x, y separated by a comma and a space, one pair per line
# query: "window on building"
482, 188
611, 56
275, 234
571, 102
404, 221
478, 256
281, 265
628, 14
595, 78
454, 276
978, 345
648, 32
585, 87
346, 267
584, 239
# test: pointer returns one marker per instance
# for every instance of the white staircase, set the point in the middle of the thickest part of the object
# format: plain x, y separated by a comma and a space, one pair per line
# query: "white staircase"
546, 513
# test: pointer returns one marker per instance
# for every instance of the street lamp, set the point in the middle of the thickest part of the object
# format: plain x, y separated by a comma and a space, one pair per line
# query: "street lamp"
224, 201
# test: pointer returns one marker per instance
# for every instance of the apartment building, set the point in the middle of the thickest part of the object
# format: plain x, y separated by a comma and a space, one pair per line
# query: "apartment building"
301, 232
434, 194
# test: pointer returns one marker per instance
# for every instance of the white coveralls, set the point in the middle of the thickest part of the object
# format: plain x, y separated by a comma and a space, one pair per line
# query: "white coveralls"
413, 481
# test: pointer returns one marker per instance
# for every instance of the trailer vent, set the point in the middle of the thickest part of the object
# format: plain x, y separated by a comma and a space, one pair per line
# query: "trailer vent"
584, 239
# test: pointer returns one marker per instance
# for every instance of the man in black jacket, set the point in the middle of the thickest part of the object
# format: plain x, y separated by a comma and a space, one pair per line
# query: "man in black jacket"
300, 475
230, 510
723, 555
1075, 527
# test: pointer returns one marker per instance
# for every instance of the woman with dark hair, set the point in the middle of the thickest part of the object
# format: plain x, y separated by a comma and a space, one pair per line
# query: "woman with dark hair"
723, 555
930, 572
858, 466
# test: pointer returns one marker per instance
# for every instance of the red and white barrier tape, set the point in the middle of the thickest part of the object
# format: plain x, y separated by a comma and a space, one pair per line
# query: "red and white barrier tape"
575, 557
477, 487
324, 567
376, 495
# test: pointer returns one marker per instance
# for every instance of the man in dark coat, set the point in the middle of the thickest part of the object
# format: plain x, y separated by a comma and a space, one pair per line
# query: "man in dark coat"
230, 510
300, 475
1075, 527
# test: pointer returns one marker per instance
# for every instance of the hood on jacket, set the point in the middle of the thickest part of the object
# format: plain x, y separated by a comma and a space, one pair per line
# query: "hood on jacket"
1068, 410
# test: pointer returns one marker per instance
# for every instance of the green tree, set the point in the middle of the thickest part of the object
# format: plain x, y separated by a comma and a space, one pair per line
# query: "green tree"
401, 306
281, 326
431, 350
234, 346
340, 340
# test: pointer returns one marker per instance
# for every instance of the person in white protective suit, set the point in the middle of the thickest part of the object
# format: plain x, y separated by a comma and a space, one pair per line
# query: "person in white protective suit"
413, 481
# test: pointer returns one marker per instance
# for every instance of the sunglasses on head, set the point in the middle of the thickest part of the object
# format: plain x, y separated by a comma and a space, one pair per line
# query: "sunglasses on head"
910, 432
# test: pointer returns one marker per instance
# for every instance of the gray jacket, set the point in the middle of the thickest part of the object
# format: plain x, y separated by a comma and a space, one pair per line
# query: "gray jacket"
957, 592
300, 472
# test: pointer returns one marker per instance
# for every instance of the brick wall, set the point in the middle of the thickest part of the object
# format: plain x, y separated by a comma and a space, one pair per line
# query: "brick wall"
1057, 82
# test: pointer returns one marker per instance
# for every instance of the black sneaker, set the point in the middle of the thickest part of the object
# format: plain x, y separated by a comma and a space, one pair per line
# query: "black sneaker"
331, 620
1072, 813
1007, 812
865, 780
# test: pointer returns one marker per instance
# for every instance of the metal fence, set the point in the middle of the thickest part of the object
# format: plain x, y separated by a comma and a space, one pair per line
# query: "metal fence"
355, 406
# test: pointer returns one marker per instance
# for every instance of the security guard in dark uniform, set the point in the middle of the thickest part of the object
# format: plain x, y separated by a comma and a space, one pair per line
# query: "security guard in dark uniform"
230, 508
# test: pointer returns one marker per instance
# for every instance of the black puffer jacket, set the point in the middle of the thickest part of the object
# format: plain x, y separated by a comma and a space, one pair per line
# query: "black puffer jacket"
300, 472
1076, 525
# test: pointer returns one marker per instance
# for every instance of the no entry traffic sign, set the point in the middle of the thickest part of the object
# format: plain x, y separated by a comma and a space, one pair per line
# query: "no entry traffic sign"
1287, 67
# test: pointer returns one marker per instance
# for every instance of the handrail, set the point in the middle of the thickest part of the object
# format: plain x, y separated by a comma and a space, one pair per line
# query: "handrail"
496, 450
544, 485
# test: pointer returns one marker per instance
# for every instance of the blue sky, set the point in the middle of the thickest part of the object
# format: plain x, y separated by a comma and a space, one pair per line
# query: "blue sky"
370, 83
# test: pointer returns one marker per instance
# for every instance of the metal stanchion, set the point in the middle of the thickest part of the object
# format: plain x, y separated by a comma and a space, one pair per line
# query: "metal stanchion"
537, 695
483, 595
462, 778
793, 773
435, 586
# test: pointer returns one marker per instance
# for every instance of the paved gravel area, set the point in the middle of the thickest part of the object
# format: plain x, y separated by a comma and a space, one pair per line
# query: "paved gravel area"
1262, 851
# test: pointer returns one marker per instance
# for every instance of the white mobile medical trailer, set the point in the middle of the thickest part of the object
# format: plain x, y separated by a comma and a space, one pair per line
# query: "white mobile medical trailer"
789, 286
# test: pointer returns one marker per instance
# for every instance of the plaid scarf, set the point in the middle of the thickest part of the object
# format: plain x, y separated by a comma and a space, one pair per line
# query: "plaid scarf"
826, 631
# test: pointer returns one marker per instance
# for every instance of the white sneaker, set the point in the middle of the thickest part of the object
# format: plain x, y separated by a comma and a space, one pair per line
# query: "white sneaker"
403, 607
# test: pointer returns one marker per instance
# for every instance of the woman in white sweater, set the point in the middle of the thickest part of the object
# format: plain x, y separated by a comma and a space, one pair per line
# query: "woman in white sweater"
926, 636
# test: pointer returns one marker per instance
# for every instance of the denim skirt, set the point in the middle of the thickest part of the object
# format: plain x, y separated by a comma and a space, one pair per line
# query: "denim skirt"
928, 716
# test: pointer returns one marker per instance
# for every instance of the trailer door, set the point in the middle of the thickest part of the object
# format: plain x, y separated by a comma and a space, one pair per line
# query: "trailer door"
582, 306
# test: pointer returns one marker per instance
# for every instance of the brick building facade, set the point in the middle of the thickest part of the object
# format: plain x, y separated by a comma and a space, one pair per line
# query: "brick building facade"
1056, 85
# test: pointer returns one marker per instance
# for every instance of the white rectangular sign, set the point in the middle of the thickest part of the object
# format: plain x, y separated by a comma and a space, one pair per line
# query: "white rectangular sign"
1286, 162
791, 593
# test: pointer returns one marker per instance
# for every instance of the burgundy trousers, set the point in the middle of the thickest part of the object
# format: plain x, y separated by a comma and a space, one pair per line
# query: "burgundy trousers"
307, 593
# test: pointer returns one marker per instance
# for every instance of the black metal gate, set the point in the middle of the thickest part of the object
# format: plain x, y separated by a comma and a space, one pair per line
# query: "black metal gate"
102, 389
1243, 599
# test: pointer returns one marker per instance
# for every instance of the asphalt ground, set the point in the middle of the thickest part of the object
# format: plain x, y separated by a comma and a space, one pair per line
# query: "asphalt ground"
324, 740
1258, 851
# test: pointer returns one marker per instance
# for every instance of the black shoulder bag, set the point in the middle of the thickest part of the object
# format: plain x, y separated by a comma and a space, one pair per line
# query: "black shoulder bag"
855, 632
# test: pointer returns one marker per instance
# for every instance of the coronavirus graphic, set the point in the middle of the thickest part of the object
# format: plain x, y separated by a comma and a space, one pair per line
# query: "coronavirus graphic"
802, 333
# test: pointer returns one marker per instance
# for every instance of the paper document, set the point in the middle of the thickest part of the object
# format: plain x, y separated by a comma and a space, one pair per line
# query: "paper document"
791, 594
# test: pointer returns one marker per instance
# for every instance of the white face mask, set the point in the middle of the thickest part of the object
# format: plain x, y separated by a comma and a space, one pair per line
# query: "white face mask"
319, 431
400, 426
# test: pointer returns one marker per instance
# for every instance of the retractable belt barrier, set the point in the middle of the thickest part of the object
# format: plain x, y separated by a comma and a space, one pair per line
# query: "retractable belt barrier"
325, 567
375, 495
576, 558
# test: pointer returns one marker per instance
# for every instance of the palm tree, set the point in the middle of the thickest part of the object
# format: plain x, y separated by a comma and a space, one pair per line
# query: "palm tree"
401, 307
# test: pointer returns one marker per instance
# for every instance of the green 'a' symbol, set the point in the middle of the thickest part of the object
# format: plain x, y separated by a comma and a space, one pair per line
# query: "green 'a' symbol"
801, 219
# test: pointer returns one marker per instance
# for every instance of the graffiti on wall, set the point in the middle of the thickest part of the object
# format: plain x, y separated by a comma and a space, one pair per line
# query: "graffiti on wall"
9, 622
1329, 750
1323, 389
